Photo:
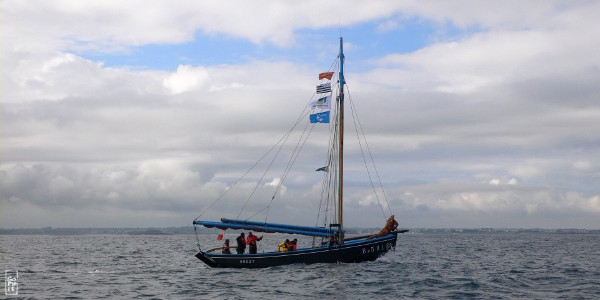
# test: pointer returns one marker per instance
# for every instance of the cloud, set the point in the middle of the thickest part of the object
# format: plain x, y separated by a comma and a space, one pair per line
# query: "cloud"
274, 182
186, 78
117, 139
496, 127
500, 205
117, 26
111, 26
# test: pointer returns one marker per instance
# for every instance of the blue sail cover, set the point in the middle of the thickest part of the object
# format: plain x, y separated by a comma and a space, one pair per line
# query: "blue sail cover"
268, 227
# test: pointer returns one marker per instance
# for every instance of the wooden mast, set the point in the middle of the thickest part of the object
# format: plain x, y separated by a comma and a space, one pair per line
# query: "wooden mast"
341, 145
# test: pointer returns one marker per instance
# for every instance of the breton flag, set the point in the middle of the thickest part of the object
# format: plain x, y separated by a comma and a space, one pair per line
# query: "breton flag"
324, 88
322, 103
327, 75
322, 117
324, 169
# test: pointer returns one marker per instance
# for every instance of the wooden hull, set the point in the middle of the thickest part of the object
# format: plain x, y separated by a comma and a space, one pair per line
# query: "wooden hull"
351, 252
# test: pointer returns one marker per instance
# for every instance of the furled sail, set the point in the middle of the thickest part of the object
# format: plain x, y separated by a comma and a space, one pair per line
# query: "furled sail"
269, 227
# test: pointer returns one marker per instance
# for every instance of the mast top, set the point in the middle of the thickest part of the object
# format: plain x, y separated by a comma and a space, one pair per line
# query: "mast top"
341, 77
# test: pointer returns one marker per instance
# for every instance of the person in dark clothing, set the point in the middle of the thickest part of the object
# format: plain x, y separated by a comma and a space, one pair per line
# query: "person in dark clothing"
332, 242
241, 244
225, 249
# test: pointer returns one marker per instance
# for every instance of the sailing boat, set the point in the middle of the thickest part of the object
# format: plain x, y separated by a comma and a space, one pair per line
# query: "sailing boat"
333, 245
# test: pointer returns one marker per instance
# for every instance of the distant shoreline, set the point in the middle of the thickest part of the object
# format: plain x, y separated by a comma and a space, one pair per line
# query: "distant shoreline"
190, 230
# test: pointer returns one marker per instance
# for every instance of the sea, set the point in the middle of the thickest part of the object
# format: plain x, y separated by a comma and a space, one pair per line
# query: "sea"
425, 265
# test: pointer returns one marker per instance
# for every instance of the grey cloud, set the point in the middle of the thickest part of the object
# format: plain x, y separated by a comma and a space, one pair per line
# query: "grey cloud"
449, 125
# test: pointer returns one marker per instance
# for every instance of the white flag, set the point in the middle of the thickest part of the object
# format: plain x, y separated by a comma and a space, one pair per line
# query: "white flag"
322, 103
324, 88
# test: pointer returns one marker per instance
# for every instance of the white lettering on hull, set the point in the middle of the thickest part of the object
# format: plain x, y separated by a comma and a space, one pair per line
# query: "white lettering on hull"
377, 248
246, 261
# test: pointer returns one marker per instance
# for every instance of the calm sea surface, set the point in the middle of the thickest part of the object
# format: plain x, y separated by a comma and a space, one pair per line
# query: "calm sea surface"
429, 266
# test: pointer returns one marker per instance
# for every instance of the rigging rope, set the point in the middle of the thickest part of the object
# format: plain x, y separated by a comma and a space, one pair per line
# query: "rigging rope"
354, 114
268, 167
302, 115
290, 163
364, 160
330, 179
332, 171
293, 158
238, 180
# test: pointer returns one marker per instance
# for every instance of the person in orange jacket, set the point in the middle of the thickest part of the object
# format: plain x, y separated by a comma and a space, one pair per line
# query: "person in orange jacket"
390, 226
292, 245
251, 242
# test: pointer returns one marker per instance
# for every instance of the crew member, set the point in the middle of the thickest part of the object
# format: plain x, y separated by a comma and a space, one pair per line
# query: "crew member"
390, 226
292, 246
284, 247
332, 242
241, 244
225, 248
251, 242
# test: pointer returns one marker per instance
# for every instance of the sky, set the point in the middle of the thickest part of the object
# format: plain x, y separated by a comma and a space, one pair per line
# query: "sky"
141, 113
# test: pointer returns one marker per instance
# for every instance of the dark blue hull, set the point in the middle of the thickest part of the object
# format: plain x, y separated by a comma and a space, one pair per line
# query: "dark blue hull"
351, 252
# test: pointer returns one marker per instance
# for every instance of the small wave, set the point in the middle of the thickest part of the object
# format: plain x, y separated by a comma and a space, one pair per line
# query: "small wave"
94, 272
571, 270
429, 282
65, 263
471, 284
389, 258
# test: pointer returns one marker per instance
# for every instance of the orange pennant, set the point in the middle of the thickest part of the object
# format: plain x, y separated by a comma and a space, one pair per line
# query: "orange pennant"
327, 75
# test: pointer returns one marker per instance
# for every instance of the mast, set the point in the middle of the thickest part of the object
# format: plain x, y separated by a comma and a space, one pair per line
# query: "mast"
341, 145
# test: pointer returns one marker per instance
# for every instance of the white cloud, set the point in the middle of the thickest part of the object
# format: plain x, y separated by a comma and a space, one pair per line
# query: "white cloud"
185, 79
111, 25
490, 60
501, 122
275, 182
497, 201
367, 200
